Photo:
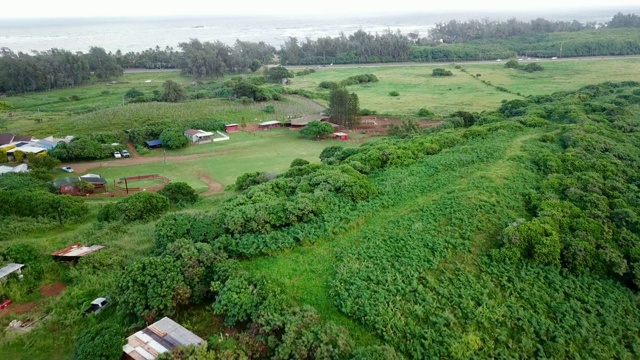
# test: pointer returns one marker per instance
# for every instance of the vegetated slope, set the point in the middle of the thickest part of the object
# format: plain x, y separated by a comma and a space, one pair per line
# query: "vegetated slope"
496, 246
434, 281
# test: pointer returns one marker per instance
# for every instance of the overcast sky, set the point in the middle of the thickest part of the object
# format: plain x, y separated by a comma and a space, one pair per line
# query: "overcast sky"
137, 8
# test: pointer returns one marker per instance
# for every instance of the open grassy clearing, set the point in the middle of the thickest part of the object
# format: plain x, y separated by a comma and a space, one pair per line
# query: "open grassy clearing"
444, 95
244, 153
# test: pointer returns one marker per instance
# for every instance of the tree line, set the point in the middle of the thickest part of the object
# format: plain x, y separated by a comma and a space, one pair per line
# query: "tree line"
452, 41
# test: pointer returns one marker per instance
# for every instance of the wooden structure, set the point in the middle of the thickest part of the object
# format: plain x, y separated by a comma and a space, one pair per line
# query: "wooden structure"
198, 136
271, 124
341, 136
160, 337
230, 128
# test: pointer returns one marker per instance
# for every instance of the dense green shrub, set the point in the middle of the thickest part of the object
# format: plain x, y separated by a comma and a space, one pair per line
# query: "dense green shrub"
299, 162
174, 138
425, 113
36, 204
394, 93
152, 287
100, 340
328, 85
441, 72
139, 206
198, 227
179, 193
532, 67
244, 181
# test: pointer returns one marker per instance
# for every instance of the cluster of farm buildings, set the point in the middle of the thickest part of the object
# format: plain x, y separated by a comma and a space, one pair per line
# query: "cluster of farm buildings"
160, 337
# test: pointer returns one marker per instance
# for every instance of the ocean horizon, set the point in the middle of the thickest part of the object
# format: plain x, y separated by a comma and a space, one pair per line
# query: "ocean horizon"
140, 33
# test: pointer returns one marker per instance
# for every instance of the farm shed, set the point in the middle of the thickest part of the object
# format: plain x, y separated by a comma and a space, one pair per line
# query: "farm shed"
271, 124
341, 136
75, 252
198, 136
98, 182
10, 269
232, 128
154, 144
303, 121
160, 337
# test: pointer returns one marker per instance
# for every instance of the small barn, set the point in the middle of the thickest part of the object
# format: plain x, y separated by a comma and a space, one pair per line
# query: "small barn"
154, 144
230, 128
198, 136
160, 337
303, 121
271, 124
341, 136
75, 252
98, 182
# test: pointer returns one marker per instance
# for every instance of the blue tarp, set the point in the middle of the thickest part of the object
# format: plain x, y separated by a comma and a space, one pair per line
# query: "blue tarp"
154, 143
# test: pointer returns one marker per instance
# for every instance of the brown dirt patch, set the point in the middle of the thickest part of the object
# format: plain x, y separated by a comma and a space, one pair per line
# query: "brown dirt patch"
54, 289
18, 309
214, 186
132, 149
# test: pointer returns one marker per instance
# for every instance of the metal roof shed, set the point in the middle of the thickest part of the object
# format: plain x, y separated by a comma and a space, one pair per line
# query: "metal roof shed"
153, 144
9, 269
159, 337
75, 251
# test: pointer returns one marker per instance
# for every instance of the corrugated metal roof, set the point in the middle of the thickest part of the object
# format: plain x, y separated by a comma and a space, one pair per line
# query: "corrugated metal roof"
77, 250
159, 337
191, 131
154, 142
10, 268
270, 122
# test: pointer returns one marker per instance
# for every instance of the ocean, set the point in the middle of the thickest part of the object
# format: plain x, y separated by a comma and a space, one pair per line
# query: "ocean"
138, 34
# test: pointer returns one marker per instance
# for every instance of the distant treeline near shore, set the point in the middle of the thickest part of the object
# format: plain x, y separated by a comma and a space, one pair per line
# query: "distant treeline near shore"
452, 41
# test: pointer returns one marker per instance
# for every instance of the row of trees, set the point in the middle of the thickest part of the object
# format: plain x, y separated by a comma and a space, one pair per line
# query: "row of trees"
52, 69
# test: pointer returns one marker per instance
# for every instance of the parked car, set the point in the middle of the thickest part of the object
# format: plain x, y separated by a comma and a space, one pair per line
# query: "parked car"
97, 305
68, 169
125, 153
117, 155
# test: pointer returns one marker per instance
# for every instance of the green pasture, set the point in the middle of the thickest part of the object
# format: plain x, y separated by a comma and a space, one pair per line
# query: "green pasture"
444, 95
269, 151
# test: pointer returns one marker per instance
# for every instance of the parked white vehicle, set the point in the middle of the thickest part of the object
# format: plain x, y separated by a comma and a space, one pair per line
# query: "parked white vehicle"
117, 155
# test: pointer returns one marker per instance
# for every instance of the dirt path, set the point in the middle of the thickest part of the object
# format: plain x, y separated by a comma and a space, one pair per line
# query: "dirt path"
214, 186
136, 160
132, 148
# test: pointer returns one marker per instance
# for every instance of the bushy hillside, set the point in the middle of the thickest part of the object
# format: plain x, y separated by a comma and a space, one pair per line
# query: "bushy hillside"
504, 234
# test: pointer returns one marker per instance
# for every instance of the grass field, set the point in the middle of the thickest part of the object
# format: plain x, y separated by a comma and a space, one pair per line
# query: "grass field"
444, 95
270, 151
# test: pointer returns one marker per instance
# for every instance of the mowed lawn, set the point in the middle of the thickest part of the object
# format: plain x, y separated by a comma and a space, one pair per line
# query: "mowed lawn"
445, 95
269, 151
